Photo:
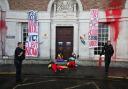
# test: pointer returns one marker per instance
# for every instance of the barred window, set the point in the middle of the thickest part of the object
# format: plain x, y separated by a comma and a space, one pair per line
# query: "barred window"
103, 36
24, 27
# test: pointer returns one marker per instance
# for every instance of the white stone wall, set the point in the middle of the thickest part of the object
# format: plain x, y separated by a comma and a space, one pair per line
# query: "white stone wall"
48, 27
44, 40
85, 53
44, 35
14, 19
122, 42
13, 22
84, 49
4, 5
126, 4
10, 43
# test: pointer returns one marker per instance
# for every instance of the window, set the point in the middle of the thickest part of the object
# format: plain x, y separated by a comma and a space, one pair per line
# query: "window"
24, 32
103, 36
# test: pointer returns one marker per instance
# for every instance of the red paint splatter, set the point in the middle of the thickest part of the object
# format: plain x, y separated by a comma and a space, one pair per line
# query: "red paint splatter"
115, 26
116, 3
113, 17
2, 24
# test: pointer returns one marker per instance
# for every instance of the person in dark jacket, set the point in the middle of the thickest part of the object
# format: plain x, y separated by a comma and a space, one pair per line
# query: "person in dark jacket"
108, 52
19, 57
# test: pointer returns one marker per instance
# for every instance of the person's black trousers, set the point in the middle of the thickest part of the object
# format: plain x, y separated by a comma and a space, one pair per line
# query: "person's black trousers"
107, 63
18, 65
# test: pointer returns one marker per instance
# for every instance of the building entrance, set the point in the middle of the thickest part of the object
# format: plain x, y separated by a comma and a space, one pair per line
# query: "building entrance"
64, 41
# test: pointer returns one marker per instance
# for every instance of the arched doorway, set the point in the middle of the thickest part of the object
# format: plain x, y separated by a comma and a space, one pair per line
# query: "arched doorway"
64, 19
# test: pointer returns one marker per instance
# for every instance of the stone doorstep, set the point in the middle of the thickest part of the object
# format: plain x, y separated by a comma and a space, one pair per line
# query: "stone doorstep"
79, 62
7, 73
123, 64
27, 61
118, 77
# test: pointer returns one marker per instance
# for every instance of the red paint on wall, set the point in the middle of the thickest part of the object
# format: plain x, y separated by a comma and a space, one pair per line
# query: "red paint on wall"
115, 26
113, 17
116, 3
2, 24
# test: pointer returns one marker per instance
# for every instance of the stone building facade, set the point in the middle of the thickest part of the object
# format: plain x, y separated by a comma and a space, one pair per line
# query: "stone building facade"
55, 15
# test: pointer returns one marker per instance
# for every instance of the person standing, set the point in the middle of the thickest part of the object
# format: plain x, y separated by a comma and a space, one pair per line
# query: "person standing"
19, 57
108, 52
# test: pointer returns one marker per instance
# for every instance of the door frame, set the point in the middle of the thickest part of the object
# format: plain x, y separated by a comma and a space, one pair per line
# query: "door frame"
63, 28
53, 37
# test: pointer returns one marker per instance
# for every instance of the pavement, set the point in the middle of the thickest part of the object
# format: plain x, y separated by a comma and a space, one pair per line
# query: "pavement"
80, 72
63, 83
38, 76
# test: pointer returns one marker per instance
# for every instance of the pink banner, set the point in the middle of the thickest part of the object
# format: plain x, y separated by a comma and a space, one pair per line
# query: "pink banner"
93, 28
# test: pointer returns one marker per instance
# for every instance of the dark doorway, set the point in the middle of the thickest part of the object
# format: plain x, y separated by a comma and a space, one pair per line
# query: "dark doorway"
64, 41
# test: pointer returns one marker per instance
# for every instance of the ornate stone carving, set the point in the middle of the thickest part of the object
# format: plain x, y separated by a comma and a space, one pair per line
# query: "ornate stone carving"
65, 6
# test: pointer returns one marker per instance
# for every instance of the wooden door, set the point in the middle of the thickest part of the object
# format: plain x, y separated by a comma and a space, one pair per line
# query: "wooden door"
64, 41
